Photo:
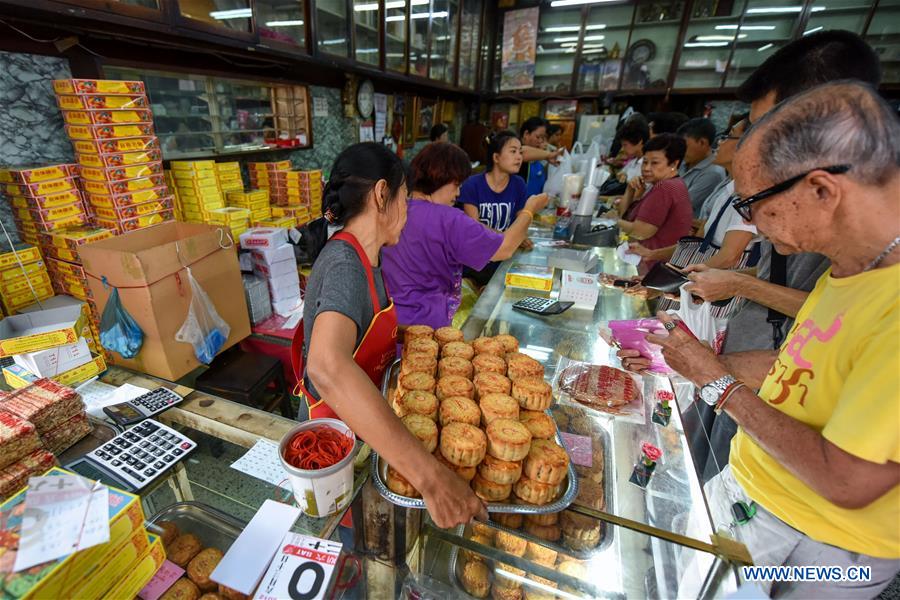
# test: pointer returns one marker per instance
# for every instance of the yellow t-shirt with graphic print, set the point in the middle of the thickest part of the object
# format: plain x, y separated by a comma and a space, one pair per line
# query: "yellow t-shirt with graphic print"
838, 372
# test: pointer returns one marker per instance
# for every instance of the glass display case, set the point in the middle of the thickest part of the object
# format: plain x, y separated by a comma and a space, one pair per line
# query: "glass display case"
198, 116
768, 25
849, 15
231, 16
708, 43
603, 49
557, 42
396, 23
332, 34
654, 37
444, 21
884, 36
469, 43
281, 22
419, 15
366, 31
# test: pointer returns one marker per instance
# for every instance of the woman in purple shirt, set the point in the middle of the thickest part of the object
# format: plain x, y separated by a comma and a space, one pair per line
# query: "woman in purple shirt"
424, 270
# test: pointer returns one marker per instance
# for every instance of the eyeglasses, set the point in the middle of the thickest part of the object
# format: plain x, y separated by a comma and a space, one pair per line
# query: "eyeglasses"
730, 135
743, 205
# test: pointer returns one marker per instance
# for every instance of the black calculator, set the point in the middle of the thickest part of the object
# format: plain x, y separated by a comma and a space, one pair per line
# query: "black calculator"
143, 407
541, 306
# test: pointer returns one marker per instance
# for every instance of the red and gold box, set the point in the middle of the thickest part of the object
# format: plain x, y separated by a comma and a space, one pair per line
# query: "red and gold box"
118, 159
135, 223
98, 86
110, 188
35, 174
107, 117
137, 144
127, 199
43, 188
98, 101
108, 132
121, 173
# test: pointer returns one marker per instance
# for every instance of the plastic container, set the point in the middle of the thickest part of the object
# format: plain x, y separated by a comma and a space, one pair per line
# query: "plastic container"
325, 491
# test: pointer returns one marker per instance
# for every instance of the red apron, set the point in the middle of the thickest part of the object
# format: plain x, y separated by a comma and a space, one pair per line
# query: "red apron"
375, 352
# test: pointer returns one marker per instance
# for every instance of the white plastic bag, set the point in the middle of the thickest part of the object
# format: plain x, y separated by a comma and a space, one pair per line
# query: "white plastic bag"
701, 322
204, 329
554, 184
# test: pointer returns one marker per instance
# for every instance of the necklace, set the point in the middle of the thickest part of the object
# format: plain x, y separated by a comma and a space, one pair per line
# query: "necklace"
890, 248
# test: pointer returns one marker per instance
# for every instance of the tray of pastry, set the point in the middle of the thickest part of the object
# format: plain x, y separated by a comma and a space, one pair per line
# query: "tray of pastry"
506, 444
196, 537
480, 576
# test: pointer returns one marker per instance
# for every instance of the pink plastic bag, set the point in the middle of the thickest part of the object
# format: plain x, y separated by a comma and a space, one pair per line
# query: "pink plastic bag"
630, 334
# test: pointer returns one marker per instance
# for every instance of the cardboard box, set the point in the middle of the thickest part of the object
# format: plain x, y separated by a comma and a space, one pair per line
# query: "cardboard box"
49, 363
192, 165
268, 238
98, 86
50, 579
123, 187
530, 277
76, 102
40, 330
106, 117
118, 159
17, 377
12, 303
144, 264
73, 238
129, 198
121, 173
135, 223
94, 583
139, 573
14, 287
108, 132
18, 253
14, 272
33, 174
48, 200
277, 270
42, 188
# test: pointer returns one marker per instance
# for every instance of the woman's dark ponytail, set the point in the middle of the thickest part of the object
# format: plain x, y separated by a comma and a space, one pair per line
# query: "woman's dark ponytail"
355, 172
495, 144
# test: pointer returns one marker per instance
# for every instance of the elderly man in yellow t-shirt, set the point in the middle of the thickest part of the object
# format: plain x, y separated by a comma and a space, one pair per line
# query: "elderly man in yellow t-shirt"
817, 452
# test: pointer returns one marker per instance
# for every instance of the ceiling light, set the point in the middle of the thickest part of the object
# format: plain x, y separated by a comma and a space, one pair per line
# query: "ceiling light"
705, 44
283, 23
560, 3
574, 28
766, 47
813, 30
595, 51
238, 13
395, 18
777, 10
435, 15
748, 27
333, 42
388, 5
587, 38
719, 38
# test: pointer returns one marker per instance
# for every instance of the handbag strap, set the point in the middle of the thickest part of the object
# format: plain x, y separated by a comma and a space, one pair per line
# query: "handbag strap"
711, 231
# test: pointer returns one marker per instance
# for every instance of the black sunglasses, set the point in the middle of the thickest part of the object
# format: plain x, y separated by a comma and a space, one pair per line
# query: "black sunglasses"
743, 205
729, 135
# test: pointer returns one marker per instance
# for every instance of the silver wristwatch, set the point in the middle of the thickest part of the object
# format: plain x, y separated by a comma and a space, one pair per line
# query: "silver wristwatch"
712, 391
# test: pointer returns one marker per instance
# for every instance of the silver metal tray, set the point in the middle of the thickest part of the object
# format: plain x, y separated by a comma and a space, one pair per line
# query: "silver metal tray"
212, 527
379, 477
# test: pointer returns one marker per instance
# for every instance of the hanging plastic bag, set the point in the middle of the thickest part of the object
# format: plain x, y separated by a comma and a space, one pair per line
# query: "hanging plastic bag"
204, 329
119, 332
554, 185
701, 322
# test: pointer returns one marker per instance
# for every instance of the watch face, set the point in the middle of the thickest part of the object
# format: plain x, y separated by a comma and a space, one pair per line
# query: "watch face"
365, 99
710, 394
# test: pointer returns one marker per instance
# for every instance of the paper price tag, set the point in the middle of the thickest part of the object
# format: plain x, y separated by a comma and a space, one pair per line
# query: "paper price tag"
301, 570
167, 575
579, 448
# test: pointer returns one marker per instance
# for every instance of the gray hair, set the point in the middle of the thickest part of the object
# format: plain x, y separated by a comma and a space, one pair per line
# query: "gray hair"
843, 122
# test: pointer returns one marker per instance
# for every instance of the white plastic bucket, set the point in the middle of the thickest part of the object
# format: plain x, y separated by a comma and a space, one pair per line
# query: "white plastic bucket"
324, 491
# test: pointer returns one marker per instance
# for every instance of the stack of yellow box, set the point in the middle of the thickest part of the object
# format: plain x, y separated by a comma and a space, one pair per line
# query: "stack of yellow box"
296, 188
230, 177
119, 568
198, 188
170, 183
277, 222
21, 271
236, 219
43, 198
299, 215
256, 201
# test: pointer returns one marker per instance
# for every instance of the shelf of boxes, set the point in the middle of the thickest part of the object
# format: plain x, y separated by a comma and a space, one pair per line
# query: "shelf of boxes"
24, 278
256, 201
45, 198
110, 125
198, 189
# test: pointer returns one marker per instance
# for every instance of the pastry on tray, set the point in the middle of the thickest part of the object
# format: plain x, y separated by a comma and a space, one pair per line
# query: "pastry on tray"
399, 485
580, 532
488, 363
464, 473
423, 345
520, 365
455, 385
484, 530
486, 345
424, 429
462, 444
532, 393
508, 439
500, 471
418, 402
459, 409
590, 494
454, 365
508, 520
491, 383
414, 332
445, 335
546, 462
498, 406
478, 538
418, 362
548, 533
598, 386
183, 549
490, 491
545, 519
201, 566
415, 381
539, 423
510, 543
183, 589
535, 492
509, 342
458, 349
540, 554
476, 578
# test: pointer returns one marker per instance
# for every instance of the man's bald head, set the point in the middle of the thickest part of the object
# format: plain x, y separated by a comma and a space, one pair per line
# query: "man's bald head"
845, 122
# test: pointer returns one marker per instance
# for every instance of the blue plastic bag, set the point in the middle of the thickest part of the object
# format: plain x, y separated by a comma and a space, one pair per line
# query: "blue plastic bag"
204, 329
119, 332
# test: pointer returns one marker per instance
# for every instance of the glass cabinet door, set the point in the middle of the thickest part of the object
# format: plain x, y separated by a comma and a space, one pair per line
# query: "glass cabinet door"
331, 27
444, 15
469, 40
557, 40
707, 45
280, 21
419, 14
603, 48
653, 40
366, 30
768, 25
884, 36
243, 113
229, 15
395, 26
849, 15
